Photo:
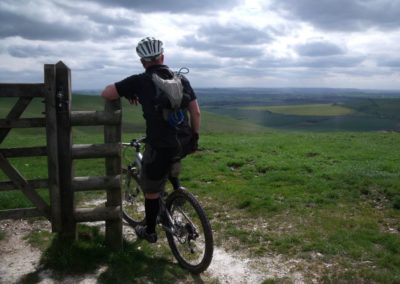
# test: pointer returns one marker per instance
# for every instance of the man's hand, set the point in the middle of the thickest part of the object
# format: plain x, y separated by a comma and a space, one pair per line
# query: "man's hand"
134, 101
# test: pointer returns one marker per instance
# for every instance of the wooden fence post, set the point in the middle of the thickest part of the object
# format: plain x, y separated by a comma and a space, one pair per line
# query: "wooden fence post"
63, 106
52, 151
112, 134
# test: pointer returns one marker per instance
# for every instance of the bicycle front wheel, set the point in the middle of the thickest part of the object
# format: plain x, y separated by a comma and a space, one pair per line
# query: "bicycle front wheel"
191, 239
133, 210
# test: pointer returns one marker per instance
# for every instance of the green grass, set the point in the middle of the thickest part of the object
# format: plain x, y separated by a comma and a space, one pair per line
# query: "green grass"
307, 110
266, 192
287, 193
335, 194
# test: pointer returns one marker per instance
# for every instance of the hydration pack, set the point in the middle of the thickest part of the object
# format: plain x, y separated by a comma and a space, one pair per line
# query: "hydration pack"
170, 94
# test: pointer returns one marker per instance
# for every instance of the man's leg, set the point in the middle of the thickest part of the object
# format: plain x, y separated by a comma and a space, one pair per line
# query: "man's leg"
151, 206
174, 174
153, 179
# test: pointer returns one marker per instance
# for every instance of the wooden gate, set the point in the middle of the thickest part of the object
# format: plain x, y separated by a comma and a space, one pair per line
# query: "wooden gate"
25, 94
60, 151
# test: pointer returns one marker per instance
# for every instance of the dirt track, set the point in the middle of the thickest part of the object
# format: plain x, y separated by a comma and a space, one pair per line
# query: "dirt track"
19, 259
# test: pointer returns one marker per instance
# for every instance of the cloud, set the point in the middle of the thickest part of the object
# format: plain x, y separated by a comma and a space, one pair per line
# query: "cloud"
318, 48
224, 43
229, 40
27, 51
234, 34
171, 6
389, 62
335, 61
32, 27
12, 24
342, 15
99, 14
220, 49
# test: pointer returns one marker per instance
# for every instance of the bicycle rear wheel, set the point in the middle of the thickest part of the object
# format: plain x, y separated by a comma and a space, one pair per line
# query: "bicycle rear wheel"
191, 240
133, 210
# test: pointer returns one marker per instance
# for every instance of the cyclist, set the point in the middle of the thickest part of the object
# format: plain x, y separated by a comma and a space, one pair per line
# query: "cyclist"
167, 141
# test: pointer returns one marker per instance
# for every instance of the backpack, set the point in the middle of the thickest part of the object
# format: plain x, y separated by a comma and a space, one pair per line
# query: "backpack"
170, 94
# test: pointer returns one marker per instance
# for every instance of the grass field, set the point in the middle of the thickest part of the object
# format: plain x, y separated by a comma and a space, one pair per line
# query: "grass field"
331, 199
310, 114
307, 110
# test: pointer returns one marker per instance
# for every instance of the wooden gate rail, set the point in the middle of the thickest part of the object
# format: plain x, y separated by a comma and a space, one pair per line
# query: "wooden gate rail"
95, 183
108, 214
23, 90
91, 118
23, 123
91, 151
20, 213
24, 152
34, 184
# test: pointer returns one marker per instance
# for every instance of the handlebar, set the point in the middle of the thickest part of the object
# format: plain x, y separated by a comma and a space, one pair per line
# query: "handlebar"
134, 143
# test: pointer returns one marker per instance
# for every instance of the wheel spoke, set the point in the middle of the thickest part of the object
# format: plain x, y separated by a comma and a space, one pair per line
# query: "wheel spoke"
133, 202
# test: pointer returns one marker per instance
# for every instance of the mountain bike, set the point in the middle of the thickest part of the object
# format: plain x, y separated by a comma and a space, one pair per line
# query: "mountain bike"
181, 216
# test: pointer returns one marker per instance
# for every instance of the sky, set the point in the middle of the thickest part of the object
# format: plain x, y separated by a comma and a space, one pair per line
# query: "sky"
233, 43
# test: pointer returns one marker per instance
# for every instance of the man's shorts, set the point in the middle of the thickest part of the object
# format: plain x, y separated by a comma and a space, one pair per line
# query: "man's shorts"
157, 165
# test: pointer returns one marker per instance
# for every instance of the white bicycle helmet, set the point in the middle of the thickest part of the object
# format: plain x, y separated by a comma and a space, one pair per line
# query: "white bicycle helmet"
149, 48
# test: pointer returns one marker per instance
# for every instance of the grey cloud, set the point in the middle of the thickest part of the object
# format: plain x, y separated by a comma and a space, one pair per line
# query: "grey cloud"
389, 62
271, 62
246, 71
231, 40
28, 51
234, 34
318, 48
100, 16
12, 24
334, 61
343, 14
176, 63
171, 6
15, 25
220, 49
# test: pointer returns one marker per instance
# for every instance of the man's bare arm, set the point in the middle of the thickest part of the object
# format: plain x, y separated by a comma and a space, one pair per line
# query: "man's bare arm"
110, 93
195, 116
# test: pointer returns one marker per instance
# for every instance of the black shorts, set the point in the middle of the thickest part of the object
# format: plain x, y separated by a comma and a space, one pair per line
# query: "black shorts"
157, 165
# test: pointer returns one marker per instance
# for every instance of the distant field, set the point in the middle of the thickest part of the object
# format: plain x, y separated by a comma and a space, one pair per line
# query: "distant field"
307, 110
308, 114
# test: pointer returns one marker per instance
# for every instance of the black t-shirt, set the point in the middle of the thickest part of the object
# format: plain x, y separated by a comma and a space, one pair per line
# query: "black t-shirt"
158, 132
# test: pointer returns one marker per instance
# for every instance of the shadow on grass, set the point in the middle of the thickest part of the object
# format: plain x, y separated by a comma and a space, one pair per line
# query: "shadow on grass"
135, 263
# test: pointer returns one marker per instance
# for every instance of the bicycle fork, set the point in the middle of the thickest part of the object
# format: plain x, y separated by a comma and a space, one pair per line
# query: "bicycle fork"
184, 233
165, 219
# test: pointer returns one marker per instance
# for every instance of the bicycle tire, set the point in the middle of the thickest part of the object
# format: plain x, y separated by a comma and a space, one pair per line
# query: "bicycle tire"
182, 200
133, 210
